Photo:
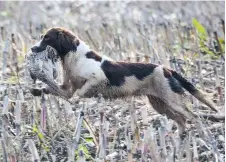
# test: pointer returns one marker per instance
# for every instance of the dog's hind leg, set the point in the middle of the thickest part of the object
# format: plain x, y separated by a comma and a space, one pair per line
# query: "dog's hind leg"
165, 109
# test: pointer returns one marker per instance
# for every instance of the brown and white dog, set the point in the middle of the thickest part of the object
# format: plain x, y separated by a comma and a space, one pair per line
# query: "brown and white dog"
88, 74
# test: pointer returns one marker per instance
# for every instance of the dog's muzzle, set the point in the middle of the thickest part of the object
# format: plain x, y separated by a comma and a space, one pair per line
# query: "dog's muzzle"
37, 48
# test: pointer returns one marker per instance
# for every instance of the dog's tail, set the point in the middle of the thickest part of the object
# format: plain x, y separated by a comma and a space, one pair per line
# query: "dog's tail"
193, 90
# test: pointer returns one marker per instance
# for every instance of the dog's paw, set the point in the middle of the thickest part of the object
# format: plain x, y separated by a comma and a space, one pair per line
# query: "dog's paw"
36, 92
80, 93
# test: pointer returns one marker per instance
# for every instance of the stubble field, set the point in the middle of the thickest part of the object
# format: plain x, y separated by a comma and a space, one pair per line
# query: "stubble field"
185, 36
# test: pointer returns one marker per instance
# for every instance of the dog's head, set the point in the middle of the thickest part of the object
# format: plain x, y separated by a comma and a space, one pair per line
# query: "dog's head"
62, 40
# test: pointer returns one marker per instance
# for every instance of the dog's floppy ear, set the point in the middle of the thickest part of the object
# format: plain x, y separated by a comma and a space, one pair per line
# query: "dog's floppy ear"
66, 42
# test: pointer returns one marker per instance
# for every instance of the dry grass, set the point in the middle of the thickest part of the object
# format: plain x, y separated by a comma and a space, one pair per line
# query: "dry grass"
50, 129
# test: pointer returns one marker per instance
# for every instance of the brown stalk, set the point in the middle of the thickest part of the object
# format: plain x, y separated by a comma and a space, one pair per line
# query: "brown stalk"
218, 42
2, 33
15, 59
223, 26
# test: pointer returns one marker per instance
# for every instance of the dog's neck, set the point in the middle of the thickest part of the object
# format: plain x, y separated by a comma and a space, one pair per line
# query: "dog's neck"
82, 48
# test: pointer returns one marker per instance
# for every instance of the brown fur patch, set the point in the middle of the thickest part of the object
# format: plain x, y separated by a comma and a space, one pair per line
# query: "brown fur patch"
93, 55
167, 73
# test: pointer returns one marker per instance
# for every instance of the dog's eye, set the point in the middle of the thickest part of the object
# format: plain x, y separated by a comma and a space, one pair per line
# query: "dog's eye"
54, 59
41, 36
46, 37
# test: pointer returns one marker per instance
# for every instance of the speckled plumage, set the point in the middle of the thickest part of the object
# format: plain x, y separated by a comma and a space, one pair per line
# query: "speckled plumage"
42, 65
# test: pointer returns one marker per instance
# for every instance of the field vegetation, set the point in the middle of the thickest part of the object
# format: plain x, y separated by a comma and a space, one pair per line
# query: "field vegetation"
186, 36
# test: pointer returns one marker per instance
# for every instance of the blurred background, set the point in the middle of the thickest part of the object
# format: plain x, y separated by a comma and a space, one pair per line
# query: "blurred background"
186, 36
107, 24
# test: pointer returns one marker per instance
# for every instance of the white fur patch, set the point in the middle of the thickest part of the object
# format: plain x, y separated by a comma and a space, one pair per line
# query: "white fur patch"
38, 43
82, 48
83, 67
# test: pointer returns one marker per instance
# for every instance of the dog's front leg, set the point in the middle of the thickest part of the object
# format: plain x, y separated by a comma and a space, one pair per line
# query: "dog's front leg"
84, 89
66, 81
64, 92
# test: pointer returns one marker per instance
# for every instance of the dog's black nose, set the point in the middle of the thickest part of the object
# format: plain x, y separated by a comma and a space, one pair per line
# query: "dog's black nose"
34, 49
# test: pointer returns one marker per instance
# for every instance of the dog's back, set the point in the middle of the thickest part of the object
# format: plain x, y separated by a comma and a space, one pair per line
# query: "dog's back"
135, 79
